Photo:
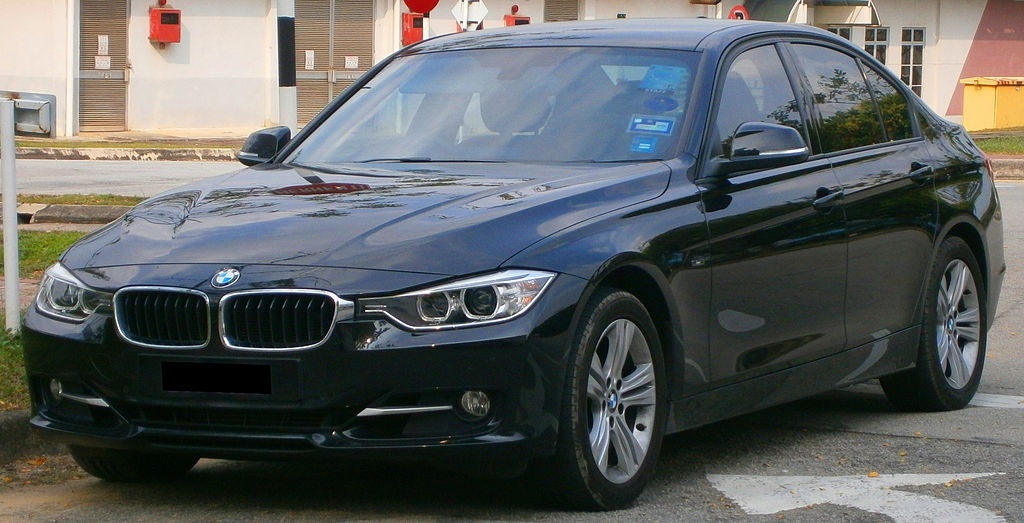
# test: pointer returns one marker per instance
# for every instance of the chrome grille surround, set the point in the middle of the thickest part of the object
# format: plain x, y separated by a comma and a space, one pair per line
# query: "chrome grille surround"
142, 323
267, 317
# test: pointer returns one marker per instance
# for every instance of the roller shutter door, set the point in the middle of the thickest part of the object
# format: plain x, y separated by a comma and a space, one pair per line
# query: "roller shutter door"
333, 47
102, 78
561, 10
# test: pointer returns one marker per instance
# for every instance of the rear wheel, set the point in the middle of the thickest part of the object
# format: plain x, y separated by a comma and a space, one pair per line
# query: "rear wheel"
613, 413
952, 347
131, 466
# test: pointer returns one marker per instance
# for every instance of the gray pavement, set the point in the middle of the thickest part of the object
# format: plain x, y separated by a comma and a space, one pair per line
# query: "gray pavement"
122, 177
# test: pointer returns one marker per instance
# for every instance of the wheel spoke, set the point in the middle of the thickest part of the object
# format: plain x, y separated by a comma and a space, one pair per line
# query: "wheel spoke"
600, 438
968, 326
619, 340
628, 449
958, 280
956, 365
637, 389
942, 341
596, 380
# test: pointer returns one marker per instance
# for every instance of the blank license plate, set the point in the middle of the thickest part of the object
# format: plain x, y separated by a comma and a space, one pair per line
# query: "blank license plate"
231, 378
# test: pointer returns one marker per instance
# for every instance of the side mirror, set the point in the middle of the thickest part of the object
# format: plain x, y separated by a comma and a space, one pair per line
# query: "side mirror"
264, 144
760, 145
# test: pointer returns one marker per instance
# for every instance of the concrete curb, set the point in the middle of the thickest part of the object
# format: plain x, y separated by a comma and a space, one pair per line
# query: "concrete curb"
60, 213
18, 439
1008, 168
206, 154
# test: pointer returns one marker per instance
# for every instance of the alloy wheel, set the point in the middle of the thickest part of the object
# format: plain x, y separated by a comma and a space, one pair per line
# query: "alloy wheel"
958, 328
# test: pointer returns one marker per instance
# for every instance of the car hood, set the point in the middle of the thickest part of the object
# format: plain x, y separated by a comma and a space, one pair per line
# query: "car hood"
444, 219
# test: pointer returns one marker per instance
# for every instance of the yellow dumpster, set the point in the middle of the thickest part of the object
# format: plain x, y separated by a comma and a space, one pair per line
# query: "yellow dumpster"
993, 102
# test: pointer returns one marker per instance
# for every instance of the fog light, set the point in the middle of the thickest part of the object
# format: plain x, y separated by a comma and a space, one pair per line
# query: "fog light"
56, 389
475, 403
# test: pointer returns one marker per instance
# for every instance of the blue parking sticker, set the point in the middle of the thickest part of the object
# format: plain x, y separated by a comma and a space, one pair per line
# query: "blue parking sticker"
644, 144
640, 123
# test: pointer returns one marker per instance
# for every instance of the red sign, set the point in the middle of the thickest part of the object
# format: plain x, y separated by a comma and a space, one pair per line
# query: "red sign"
736, 13
421, 6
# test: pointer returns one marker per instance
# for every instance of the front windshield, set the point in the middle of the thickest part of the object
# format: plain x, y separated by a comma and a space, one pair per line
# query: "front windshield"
554, 104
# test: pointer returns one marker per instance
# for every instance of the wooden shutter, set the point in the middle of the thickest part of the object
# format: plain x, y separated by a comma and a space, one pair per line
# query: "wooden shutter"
102, 93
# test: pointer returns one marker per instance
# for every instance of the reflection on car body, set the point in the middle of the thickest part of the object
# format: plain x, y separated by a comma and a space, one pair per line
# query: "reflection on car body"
544, 247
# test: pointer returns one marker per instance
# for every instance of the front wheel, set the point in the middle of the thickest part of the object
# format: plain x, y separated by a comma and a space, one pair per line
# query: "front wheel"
613, 413
952, 347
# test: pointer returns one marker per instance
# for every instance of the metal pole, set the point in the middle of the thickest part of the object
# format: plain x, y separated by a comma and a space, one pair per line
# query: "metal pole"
12, 294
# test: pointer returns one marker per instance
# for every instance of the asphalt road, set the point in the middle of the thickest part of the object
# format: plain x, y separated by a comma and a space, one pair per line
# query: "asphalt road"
841, 456
128, 178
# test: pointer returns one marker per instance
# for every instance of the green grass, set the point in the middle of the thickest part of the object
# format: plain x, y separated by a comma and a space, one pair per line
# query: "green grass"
1012, 144
39, 250
79, 199
13, 390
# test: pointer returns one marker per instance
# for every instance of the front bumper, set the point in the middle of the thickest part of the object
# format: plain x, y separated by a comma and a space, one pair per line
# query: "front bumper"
117, 395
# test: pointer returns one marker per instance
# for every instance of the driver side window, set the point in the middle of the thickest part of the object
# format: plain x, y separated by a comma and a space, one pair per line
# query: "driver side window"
756, 89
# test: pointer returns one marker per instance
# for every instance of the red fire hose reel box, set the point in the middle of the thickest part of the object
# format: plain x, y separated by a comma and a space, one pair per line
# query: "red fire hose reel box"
165, 26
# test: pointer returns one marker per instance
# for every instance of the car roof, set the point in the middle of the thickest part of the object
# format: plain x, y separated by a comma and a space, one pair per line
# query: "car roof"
661, 33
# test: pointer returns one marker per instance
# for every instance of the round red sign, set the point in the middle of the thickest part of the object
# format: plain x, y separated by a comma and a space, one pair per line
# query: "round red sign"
421, 6
737, 13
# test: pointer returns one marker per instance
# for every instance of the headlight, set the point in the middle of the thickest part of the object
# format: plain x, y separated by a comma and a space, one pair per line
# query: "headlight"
61, 295
474, 301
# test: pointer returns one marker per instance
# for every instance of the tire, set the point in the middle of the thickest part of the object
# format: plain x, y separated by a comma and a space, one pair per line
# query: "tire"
130, 466
951, 353
613, 418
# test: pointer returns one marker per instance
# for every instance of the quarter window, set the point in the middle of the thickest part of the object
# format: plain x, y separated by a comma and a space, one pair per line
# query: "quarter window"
912, 57
891, 105
848, 115
756, 89
876, 42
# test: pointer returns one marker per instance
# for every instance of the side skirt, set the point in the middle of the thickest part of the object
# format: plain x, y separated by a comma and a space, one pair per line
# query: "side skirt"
887, 355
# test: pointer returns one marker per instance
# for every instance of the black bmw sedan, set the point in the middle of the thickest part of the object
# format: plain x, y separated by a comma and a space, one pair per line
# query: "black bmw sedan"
534, 249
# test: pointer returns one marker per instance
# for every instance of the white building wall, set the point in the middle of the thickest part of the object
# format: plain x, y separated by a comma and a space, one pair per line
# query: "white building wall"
216, 77
34, 51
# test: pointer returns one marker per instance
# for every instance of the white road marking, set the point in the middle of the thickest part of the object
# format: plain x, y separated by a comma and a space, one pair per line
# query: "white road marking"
995, 401
772, 494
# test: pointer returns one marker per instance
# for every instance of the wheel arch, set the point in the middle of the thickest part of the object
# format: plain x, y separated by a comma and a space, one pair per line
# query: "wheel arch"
645, 280
969, 233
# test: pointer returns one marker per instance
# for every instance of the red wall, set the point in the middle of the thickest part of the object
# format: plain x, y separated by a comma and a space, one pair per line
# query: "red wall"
998, 47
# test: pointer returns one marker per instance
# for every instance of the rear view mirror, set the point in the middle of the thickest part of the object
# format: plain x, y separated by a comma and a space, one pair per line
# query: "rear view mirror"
264, 144
760, 145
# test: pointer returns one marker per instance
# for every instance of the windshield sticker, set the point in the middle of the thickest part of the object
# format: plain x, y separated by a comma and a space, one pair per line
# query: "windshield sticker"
644, 144
661, 104
665, 79
640, 123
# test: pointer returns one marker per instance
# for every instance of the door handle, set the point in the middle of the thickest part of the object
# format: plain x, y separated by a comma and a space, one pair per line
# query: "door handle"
826, 198
920, 172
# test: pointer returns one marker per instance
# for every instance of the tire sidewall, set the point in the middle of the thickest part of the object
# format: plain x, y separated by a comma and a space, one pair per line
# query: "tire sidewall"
608, 307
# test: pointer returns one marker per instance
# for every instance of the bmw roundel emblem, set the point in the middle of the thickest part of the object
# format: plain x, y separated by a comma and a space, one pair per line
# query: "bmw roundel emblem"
225, 277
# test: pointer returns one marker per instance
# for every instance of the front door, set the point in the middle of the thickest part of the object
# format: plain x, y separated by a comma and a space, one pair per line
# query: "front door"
778, 263
333, 46
102, 55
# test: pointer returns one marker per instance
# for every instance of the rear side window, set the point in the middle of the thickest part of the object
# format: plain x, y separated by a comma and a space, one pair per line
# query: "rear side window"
756, 89
849, 118
892, 105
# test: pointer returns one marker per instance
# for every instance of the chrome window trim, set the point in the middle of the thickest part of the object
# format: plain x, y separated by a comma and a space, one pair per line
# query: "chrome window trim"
117, 315
343, 310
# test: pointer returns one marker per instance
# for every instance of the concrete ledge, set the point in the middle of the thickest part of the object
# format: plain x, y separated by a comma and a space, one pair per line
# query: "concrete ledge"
60, 213
19, 441
211, 154
1008, 168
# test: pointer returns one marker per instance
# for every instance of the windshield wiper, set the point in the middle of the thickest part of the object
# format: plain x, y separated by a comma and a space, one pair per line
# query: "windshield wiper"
400, 159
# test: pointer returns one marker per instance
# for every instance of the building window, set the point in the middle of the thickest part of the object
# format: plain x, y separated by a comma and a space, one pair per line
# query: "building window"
911, 60
845, 32
876, 42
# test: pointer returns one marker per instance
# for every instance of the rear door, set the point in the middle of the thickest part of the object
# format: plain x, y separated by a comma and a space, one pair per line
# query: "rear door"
778, 263
863, 123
